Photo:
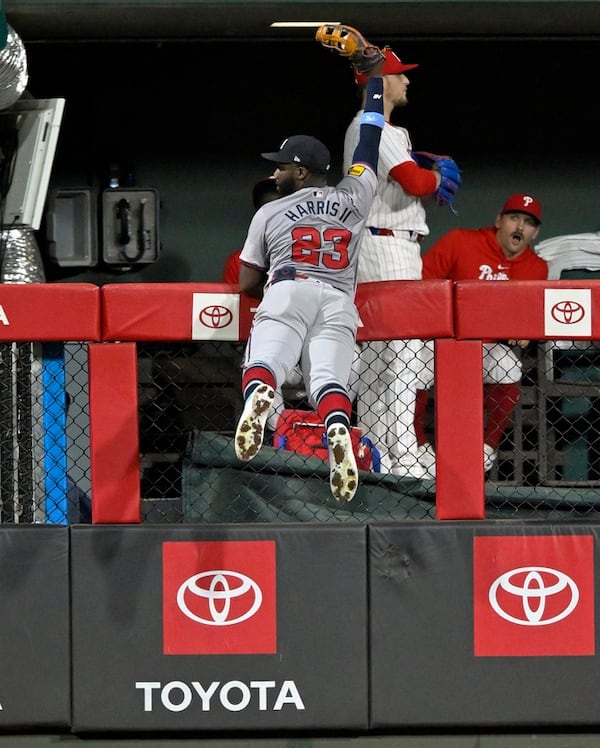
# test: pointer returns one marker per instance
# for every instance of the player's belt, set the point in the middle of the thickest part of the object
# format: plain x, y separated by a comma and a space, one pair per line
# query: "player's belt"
412, 236
288, 272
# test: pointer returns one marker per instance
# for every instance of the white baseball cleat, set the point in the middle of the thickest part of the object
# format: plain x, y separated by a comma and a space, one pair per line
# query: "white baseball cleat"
490, 455
251, 426
343, 473
413, 469
426, 455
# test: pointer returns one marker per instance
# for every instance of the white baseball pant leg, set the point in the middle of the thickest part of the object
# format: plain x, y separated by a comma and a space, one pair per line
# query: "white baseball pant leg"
385, 405
501, 365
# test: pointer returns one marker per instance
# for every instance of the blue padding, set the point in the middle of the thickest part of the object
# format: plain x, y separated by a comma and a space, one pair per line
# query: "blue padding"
55, 439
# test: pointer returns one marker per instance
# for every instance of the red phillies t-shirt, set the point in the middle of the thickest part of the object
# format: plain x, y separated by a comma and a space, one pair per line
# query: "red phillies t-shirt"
231, 269
474, 254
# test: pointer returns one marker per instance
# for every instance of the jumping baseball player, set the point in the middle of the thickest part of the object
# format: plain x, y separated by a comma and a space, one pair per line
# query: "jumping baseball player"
391, 250
496, 253
264, 192
308, 242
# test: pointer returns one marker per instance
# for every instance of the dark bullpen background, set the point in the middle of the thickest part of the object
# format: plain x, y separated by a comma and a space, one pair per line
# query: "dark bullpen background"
190, 119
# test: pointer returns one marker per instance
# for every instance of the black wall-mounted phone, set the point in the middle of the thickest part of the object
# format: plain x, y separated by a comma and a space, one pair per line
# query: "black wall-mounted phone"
130, 226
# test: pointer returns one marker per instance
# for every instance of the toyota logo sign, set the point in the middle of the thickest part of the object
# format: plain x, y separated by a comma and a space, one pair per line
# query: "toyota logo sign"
535, 585
568, 312
215, 316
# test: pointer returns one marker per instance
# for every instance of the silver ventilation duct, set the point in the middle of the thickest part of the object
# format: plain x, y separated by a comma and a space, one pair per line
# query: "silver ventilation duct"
13, 69
21, 259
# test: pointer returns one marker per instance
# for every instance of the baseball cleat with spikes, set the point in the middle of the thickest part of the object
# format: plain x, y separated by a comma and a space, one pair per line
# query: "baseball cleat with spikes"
251, 426
343, 473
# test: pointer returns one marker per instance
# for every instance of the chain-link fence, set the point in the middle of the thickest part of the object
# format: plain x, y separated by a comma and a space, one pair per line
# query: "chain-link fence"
546, 463
548, 460
44, 425
182, 389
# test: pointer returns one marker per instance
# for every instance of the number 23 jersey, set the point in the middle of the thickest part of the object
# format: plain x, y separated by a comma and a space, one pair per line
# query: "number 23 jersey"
317, 230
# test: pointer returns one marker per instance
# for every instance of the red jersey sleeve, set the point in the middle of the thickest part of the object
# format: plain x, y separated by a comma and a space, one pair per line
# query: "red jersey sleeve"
413, 179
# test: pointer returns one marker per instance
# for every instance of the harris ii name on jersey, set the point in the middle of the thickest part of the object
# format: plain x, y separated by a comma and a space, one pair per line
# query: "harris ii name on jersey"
318, 205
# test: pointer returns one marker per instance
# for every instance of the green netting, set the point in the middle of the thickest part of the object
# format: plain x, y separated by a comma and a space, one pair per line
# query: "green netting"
282, 486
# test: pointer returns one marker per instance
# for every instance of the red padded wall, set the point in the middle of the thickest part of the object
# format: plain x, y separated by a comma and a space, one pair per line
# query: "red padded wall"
49, 311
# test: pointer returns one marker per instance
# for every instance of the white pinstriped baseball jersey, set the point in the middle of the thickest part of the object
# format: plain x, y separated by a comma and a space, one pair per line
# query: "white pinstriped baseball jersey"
389, 257
385, 404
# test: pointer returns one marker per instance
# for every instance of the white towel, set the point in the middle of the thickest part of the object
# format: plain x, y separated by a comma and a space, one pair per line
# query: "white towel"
570, 251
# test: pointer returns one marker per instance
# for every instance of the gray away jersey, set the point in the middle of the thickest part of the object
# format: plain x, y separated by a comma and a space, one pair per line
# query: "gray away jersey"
317, 230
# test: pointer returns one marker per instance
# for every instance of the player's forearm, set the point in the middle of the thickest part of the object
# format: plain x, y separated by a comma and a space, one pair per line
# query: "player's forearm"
251, 281
371, 125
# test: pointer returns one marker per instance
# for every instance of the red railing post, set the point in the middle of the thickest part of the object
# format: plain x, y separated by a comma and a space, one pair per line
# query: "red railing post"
460, 489
114, 433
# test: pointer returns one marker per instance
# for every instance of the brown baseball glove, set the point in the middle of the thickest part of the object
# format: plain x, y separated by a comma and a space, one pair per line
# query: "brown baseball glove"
349, 42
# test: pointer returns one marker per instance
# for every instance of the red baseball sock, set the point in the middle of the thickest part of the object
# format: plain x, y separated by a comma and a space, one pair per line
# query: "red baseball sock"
254, 376
334, 406
420, 411
499, 401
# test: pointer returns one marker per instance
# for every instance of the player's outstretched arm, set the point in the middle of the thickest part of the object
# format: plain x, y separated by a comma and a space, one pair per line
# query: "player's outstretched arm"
372, 121
367, 59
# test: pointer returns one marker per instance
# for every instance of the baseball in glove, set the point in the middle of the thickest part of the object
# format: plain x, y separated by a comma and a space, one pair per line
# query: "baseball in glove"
349, 42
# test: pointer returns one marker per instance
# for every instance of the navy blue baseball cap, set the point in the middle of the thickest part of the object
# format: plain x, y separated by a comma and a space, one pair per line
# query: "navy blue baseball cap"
303, 150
